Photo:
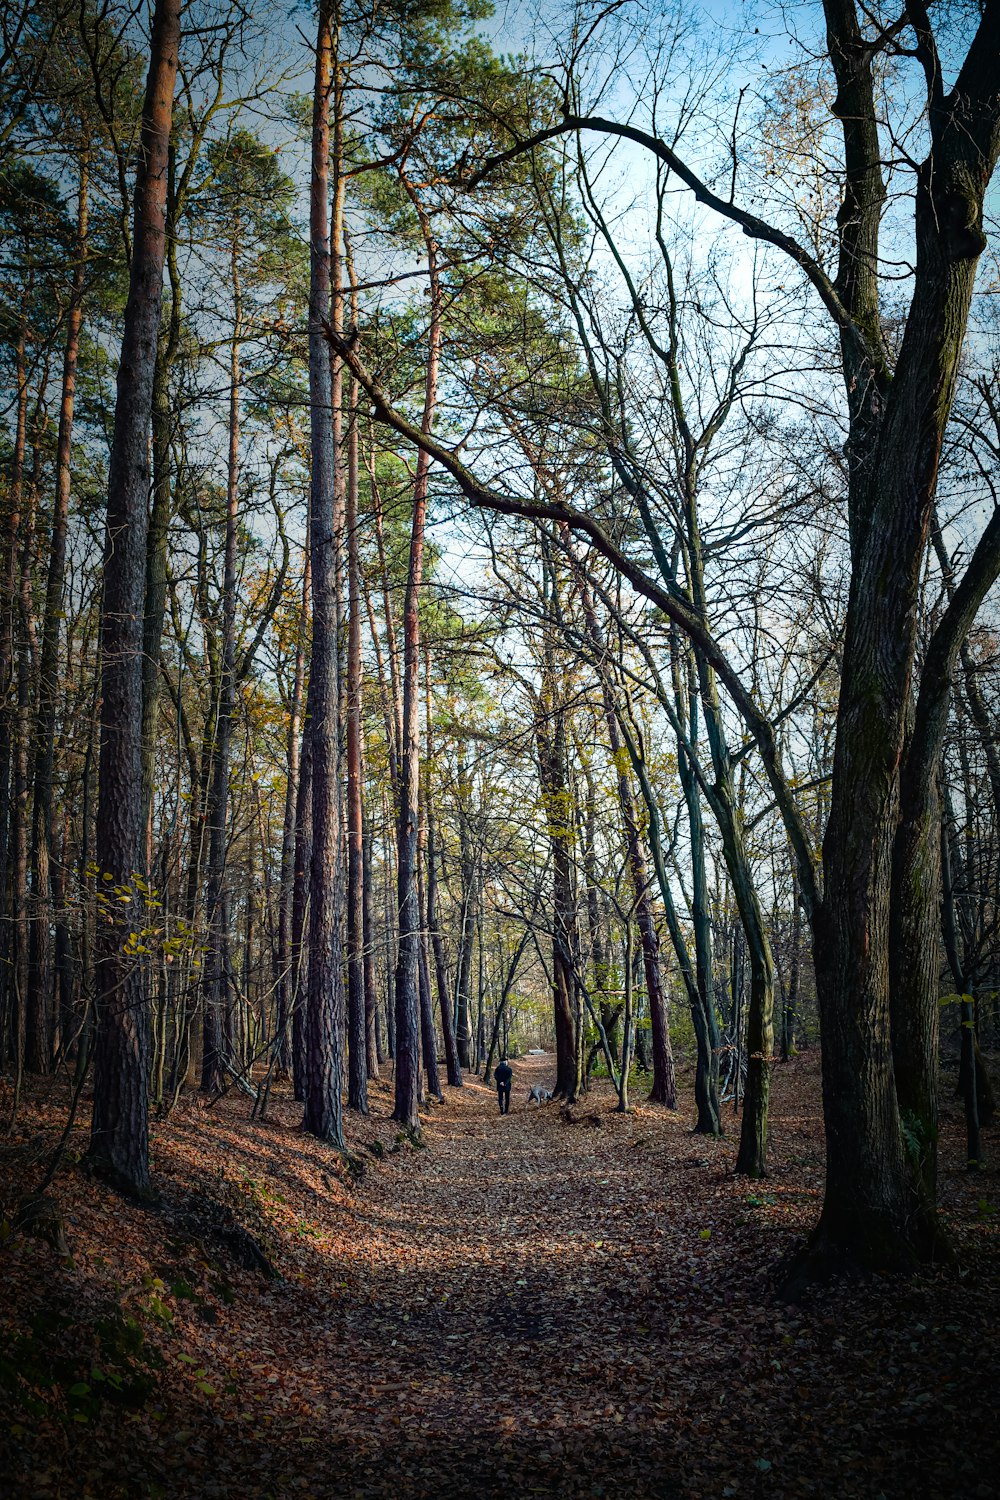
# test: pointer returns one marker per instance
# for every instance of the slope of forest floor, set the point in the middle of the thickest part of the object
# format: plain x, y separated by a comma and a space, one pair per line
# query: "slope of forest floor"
525, 1306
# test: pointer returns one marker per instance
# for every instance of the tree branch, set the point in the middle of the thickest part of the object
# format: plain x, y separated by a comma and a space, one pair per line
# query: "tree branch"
674, 607
752, 226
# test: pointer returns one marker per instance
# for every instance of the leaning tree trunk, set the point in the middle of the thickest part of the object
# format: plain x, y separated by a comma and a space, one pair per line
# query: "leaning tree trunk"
751, 1158
695, 974
916, 909
119, 1142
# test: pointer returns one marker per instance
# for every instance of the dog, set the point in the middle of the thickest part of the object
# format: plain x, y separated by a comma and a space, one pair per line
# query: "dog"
538, 1095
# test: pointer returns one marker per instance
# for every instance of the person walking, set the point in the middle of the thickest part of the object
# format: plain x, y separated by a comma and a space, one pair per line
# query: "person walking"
504, 1076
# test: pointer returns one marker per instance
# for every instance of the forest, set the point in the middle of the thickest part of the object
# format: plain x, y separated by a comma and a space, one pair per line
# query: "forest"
499, 541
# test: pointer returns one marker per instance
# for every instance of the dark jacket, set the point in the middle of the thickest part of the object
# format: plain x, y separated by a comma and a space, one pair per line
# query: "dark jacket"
503, 1075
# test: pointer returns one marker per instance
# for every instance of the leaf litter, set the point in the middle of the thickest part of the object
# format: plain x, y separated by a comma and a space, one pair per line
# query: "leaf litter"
525, 1308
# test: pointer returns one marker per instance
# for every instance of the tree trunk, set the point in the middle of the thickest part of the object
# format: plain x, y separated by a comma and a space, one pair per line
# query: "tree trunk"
357, 1019
15, 785
163, 427
664, 1090
463, 976
373, 1030
408, 902
877, 1209
550, 736
42, 829
789, 1013
322, 1029
300, 914
428, 1036
357, 1025
216, 1054
10, 1014
452, 1064
286, 979
967, 1009
706, 1025
119, 1144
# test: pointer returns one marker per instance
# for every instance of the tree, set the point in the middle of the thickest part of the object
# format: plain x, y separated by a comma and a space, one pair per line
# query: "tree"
247, 222
119, 1144
323, 1026
410, 949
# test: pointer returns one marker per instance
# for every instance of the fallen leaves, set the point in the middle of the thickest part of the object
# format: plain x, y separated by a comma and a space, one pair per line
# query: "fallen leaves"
517, 1309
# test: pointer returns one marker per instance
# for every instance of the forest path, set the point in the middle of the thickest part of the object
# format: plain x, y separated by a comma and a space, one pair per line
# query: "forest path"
587, 1310
526, 1307
503, 1275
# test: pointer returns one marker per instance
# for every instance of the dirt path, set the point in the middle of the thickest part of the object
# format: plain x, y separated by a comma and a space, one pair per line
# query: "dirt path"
495, 1284
526, 1307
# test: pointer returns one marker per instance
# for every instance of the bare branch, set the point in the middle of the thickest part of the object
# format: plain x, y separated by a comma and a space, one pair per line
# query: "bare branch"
751, 225
671, 602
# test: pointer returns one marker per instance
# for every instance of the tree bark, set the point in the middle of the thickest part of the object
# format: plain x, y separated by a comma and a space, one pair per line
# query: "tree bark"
42, 824
357, 1026
286, 977
408, 903
373, 1028
119, 1142
218, 1005
322, 1021
664, 1090
467, 870
550, 736
452, 1065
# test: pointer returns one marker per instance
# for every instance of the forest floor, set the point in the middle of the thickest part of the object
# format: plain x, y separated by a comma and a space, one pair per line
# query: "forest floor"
524, 1307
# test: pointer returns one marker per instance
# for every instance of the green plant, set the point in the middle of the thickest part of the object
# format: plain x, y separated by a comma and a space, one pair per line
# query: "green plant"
64, 1369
